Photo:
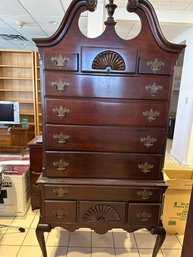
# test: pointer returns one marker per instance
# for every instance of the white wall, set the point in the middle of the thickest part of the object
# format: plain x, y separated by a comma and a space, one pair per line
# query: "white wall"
182, 148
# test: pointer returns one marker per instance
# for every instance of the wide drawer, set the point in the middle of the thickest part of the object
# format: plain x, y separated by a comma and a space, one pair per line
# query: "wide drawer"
59, 212
103, 165
108, 193
110, 112
102, 212
107, 139
143, 215
62, 84
61, 61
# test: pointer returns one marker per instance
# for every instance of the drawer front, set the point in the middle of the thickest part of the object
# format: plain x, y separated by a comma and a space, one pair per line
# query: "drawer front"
108, 60
102, 212
107, 139
103, 165
110, 112
34, 175
60, 84
144, 215
59, 212
61, 61
148, 65
108, 193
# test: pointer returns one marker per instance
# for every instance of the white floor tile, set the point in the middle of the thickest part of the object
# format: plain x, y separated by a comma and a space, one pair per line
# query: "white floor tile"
29, 251
103, 252
24, 221
79, 252
148, 253
56, 251
80, 239
123, 239
58, 237
172, 253
104, 240
171, 242
9, 251
145, 239
127, 252
13, 237
30, 238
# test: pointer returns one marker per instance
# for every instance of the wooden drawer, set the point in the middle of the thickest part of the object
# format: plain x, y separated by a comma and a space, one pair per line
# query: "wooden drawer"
143, 87
108, 193
34, 175
116, 60
106, 139
155, 65
109, 112
144, 215
61, 61
103, 165
102, 212
59, 212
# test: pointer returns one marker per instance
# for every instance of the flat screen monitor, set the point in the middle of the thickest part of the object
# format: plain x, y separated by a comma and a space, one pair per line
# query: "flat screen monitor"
9, 113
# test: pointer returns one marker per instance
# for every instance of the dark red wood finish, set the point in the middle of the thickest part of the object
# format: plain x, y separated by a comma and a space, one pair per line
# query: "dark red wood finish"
105, 110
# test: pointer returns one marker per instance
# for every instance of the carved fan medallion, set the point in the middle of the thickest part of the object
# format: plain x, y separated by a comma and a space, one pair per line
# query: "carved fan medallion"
108, 60
101, 213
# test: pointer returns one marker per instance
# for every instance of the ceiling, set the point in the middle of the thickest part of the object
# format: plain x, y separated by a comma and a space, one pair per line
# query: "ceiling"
35, 18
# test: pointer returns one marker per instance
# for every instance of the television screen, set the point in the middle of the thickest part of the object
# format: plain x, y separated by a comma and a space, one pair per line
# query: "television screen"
9, 112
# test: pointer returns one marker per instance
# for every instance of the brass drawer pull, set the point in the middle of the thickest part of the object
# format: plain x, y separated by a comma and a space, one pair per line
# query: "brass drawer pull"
60, 86
151, 115
155, 65
144, 216
145, 194
145, 167
153, 89
35, 186
61, 138
148, 141
60, 214
61, 112
60, 192
60, 61
61, 165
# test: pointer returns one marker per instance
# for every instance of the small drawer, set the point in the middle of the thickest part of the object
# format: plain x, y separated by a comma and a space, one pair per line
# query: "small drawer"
61, 61
155, 65
102, 212
115, 60
144, 215
59, 212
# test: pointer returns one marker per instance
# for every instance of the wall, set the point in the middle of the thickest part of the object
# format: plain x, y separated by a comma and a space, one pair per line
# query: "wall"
182, 147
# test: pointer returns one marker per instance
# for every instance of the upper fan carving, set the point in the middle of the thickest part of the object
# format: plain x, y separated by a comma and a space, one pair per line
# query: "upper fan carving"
108, 60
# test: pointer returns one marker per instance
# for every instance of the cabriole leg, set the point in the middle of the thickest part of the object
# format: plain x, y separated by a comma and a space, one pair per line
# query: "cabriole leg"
161, 235
40, 229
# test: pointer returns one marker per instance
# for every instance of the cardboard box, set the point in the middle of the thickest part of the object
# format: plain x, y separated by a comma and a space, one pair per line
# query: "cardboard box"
15, 190
177, 199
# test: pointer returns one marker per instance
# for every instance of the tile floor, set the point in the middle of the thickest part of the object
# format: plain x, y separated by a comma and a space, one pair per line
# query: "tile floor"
82, 243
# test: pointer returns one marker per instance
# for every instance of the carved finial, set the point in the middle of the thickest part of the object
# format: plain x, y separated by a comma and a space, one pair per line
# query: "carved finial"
132, 5
110, 9
91, 5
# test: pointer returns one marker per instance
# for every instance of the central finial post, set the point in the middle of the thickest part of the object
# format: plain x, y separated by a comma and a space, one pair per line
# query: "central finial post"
110, 9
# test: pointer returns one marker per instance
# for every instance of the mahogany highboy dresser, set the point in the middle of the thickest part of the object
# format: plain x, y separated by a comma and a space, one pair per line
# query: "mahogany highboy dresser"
105, 114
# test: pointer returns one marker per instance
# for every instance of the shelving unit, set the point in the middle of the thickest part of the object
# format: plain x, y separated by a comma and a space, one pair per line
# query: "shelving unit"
17, 81
38, 95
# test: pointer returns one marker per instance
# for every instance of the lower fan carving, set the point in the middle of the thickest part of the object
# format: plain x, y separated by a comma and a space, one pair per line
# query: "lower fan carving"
101, 213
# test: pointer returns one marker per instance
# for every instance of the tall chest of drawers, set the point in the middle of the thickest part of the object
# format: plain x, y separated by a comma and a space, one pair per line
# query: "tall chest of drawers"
105, 111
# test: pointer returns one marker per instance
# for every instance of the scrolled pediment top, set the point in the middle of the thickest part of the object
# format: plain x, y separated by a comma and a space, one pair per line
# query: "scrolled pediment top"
132, 5
91, 5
